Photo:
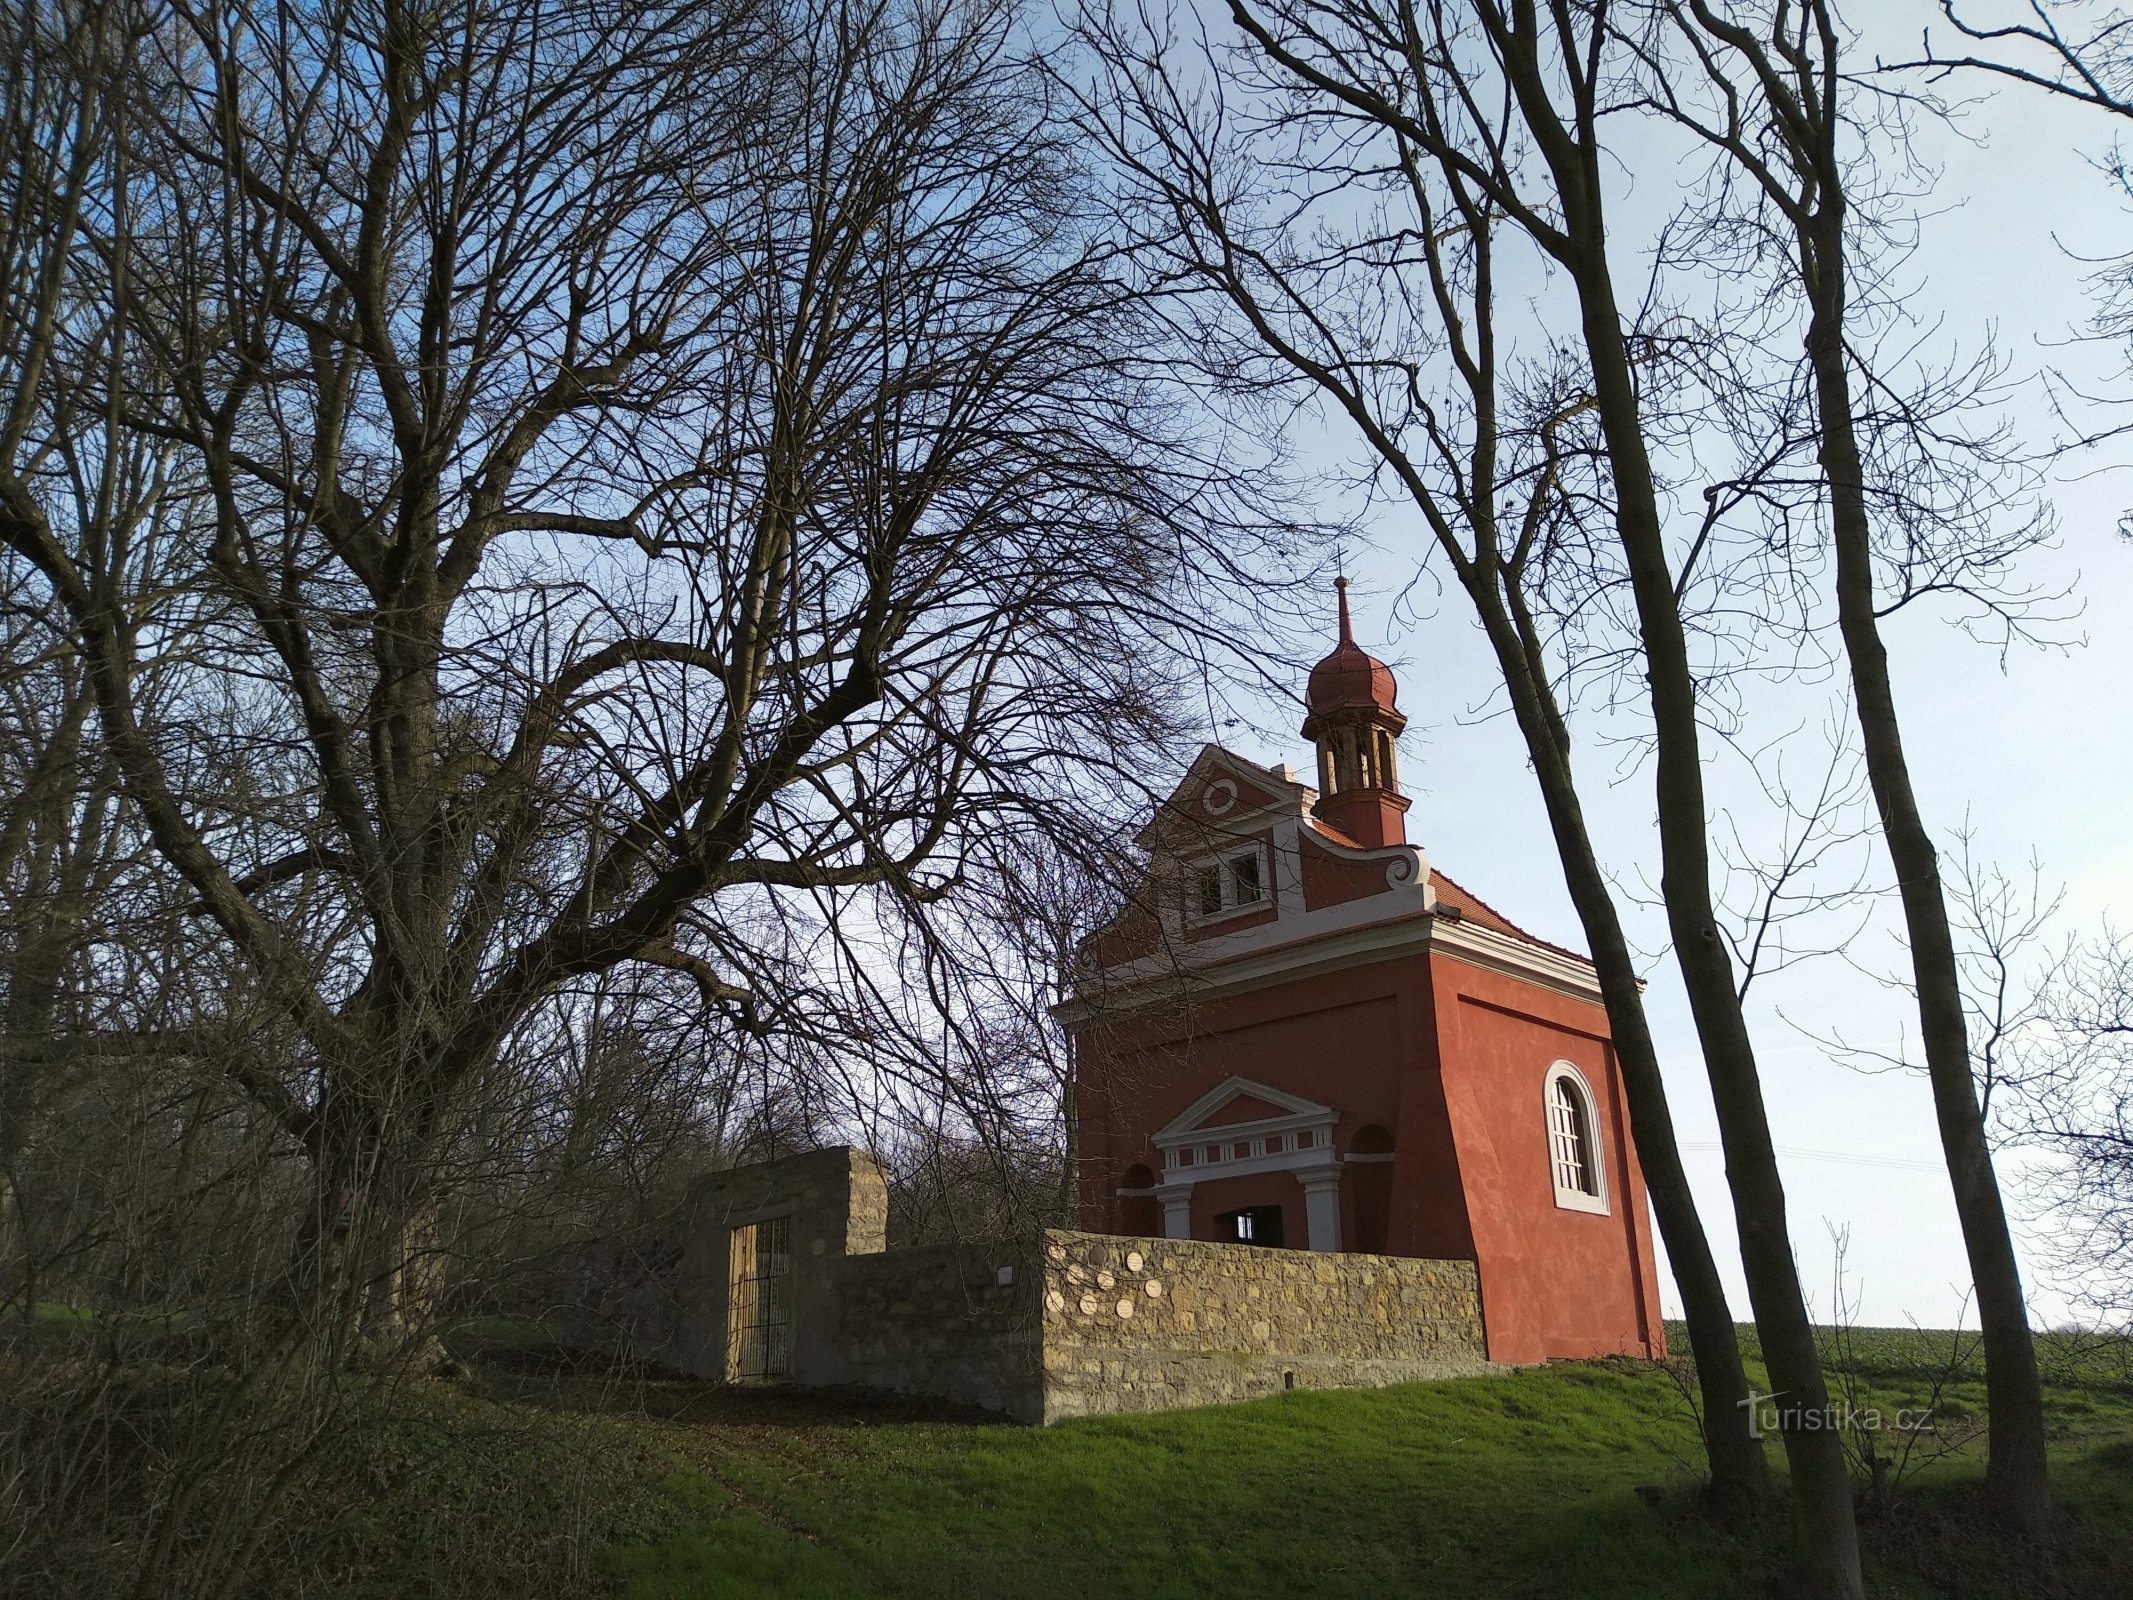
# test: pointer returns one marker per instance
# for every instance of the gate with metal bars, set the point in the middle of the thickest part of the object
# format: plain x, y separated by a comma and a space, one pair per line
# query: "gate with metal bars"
759, 1302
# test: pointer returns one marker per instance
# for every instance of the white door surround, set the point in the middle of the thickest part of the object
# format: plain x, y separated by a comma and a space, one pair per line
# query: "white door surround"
1298, 1140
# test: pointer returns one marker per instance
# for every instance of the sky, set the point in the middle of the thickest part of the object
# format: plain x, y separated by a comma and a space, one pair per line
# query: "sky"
2030, 753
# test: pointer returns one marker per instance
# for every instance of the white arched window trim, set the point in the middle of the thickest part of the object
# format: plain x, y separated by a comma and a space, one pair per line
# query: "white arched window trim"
1577, 1162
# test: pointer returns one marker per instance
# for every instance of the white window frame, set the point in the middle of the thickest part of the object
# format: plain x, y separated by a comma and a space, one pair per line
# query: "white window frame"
1593, 1155
1223, 864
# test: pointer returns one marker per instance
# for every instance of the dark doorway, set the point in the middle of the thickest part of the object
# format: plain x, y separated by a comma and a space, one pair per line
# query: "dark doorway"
1252, 1225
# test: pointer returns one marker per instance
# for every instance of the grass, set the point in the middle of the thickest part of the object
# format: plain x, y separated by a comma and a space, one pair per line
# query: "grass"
1324, 1494
1571, 1480
1575, 1479
1567, 1480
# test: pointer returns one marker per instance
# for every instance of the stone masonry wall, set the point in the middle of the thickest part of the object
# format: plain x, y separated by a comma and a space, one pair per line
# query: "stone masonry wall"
1152, 1324
1068, 1324
958, 1321
1051, 1325
664, 1301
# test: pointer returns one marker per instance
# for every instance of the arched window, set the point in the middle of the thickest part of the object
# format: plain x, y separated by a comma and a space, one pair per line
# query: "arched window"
1574, 1162
1138, 1213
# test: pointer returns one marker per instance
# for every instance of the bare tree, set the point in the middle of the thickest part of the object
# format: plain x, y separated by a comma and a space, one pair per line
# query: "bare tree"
1347, 255
85, 931
1509, 102
665, 467
1770, 93
2074, 1097
2051, 1032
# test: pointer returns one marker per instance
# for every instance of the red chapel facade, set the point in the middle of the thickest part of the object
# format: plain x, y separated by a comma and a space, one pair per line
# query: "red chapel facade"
1300, 1034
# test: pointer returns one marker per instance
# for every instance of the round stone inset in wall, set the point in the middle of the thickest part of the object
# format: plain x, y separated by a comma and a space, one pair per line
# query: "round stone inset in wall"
1125, 1308
1055, 1302
1134, 1261
1104, 1280
1155, 1288
1088, 1305
1057, 1252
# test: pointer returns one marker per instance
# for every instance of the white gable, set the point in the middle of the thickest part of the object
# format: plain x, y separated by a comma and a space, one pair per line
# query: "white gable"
1213, 794
1295, 1111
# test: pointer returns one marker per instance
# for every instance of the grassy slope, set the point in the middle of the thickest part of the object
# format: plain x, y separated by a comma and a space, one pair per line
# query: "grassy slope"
1569, 1480
1566, 1481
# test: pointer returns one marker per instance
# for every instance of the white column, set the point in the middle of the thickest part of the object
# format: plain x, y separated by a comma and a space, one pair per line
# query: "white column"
1322, 1206
1177, 1210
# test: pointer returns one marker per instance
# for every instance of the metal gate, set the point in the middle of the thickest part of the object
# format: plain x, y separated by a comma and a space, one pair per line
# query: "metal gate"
759, 1302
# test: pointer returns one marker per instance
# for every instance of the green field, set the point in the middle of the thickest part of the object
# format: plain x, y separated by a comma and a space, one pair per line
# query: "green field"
525, 1477
1568, 1480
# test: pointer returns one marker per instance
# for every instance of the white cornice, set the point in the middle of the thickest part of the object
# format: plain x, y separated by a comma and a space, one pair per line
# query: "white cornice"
1275, 946
1348, 937
1521, 958
1299, 1138
1397, 920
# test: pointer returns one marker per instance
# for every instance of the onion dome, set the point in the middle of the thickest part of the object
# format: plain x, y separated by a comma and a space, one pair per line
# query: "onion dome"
1349, 680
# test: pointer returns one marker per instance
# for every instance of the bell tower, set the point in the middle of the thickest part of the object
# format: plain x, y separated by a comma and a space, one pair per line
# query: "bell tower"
1354, 721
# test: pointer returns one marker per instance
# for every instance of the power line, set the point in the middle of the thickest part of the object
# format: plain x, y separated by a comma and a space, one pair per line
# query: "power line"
1841, 1157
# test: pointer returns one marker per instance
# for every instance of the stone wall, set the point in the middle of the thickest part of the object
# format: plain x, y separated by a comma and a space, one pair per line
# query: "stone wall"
1052, 1325
1068, 1324
957, 1321
1151, 1324
672, 1310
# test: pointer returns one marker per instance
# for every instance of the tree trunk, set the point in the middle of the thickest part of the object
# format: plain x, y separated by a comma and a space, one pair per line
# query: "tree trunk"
1740, 1474
14, 1257
1825, 1532
2016, 1472
368, 1269
400, 1293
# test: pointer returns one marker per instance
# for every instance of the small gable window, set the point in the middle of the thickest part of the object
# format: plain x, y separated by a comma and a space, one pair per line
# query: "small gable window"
1210, 891
1232, 882
1574, 1162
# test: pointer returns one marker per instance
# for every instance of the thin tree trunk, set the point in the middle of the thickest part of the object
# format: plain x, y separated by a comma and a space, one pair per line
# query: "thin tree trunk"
1740, 1474
2016, 1471
1825, 1530
1798, 75
1825, 1533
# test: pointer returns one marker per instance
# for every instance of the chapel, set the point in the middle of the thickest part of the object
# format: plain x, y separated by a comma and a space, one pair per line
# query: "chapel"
1300, 1035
